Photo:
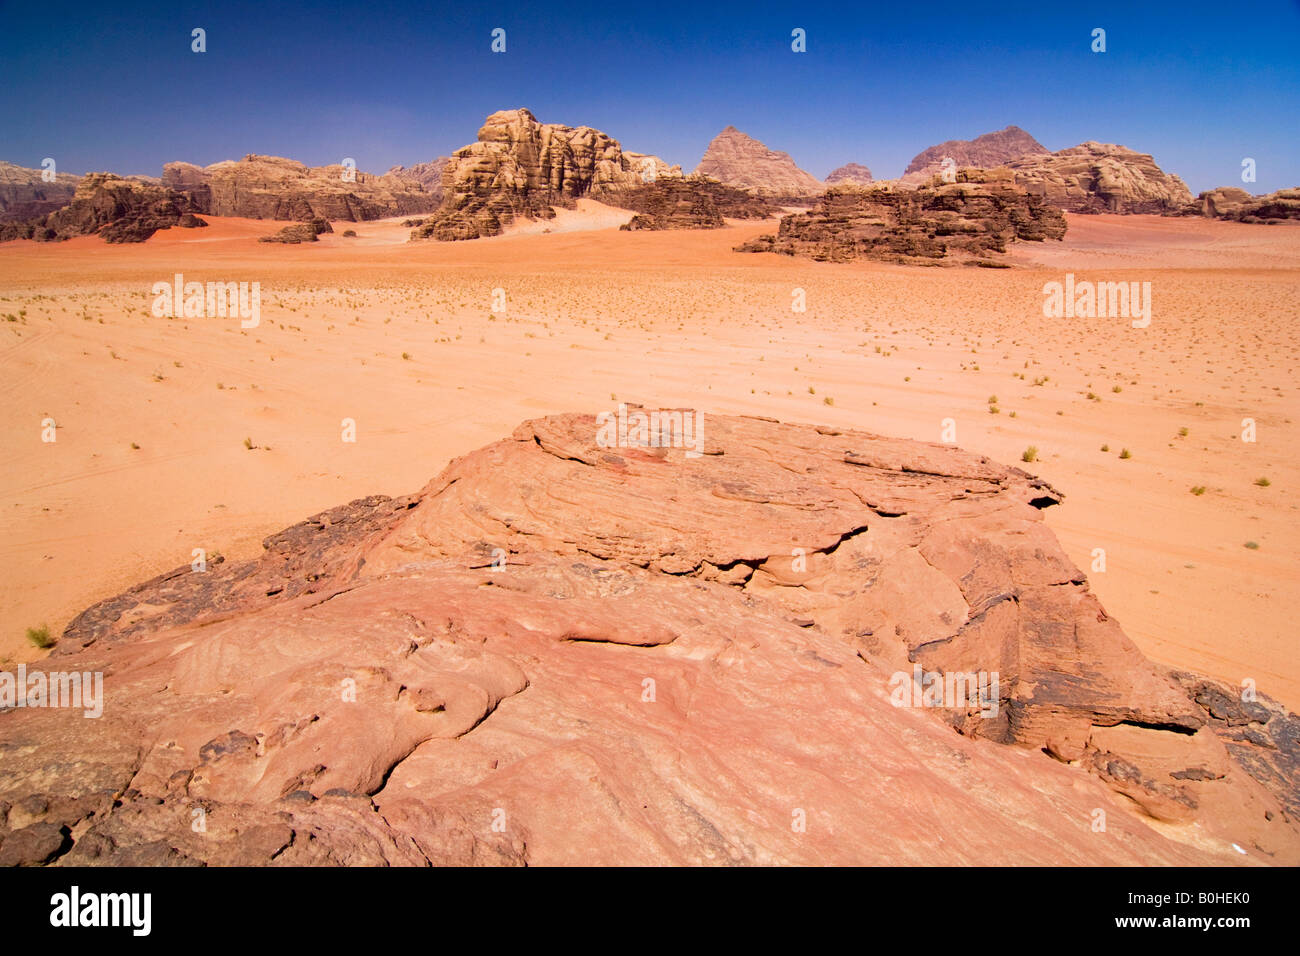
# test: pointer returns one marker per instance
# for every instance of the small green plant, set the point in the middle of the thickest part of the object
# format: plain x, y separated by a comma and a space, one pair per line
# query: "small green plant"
248, 443
1029, 454
993, 410
406, 356
1105, 448
40, 636
828, 400
1125, 453
1182, 432
993, 399
134, 446
1263, 482
1198, 490
1253, 545
1116, 389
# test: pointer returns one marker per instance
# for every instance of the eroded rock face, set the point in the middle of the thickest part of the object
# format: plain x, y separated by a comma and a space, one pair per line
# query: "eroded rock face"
850, 174
24, 195
689, 202
269, 187
115, 208
1228, 202
564, 652
983, 152
428, 175
1102, 177
739, 160
522, 168
971, 219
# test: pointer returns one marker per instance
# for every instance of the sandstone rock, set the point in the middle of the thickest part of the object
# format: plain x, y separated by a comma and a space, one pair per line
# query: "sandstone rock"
968, 220
117, 209
562, 652
851, 174
24, 195
739, 160
1102, 177
690, 202
269, 187
983, 152
1228, 202
301, 232
428, 175
522, 168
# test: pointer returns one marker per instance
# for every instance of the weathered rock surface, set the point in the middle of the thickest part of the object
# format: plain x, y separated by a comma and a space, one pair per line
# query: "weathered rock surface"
850, 174
983, 152
689, 202
269, 187
736, 159
1102, 177
300, 232
940, 223
560, 652
428, 175
522, 168
24, 195
115, 208
1228, 202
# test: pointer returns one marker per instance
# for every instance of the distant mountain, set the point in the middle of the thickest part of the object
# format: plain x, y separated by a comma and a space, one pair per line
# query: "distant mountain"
428, 175
849, 174
739, 160
984, 152
1103, 177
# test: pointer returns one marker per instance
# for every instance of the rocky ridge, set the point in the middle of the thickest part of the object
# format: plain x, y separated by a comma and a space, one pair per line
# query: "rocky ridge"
850, 174
940, 223
1102, 178
483, 674
115, 208
736, 159
984, 152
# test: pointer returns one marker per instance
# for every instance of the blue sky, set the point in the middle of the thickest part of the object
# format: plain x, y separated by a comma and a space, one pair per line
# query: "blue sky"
107, 86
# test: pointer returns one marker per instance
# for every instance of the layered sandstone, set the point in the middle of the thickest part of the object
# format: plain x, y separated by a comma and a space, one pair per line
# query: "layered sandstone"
689, 202
967, 220
1228, 202
270, 187
428, 175
115, 208
739, 160
25, 195
562, 652
984, 152
850, 174
1102, 177
520, 167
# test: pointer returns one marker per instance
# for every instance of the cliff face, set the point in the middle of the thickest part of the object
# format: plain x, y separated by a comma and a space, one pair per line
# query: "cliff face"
25, 195
522, 168
269, 187
736, 159
1102, 177
938, 223
114, 208
683, 654
984, 152
1228, 202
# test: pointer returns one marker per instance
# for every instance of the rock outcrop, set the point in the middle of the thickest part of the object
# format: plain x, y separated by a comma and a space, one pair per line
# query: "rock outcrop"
300, 232
739, 160
522, 168
24, 195
850, 174
428, 175
688, 202
574, 651
984, 152
1228, 202
939, 223
1102, 177
115, 208
269, 187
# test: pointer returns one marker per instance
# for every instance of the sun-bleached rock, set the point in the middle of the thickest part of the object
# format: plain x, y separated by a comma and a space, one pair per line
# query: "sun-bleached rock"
850, 174
737, 159
24, 193
1102, 177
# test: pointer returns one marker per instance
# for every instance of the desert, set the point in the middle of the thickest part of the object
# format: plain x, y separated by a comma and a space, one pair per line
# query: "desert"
686, 494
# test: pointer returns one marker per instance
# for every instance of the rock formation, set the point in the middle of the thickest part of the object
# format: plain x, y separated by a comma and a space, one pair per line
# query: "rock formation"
967, 220
569, 651
300, 232
522, 168
739, 160
1228, 202
24, 195
1102, 177
428, 175
850, 174
983, 152
269, 187
689, 202
115, 208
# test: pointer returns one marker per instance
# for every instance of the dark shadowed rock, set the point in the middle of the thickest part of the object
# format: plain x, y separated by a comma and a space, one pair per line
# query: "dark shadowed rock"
690, 202
301, 232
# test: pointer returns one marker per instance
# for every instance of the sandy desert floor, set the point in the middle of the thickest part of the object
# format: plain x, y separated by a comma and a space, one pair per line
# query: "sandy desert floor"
402, 338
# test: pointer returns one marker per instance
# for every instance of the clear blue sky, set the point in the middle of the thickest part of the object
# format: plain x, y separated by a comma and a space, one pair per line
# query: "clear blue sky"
115, 86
